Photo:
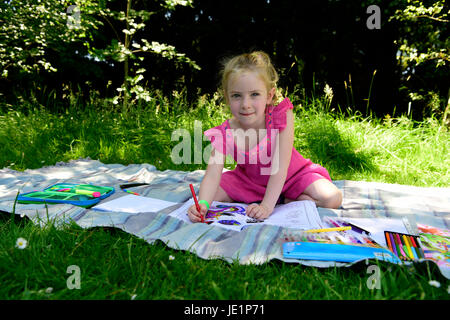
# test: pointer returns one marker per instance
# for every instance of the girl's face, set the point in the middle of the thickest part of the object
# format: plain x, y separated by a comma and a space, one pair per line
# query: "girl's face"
248, 97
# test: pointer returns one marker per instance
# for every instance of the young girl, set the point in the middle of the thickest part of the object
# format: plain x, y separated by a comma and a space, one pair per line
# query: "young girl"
260, 137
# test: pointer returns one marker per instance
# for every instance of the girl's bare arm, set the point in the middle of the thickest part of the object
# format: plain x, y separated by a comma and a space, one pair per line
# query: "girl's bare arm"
281, 157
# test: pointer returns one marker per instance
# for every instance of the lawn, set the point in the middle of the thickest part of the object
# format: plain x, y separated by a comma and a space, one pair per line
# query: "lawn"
117, 265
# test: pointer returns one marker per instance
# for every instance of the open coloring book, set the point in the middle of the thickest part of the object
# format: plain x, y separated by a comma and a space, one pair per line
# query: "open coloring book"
298, 215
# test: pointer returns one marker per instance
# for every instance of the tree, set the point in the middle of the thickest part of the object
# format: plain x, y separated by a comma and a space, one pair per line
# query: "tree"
31, 30
130, 50
28, 29
432, 48
424, 53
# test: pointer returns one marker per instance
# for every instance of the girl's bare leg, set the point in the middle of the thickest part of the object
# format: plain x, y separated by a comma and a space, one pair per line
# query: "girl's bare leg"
323, 193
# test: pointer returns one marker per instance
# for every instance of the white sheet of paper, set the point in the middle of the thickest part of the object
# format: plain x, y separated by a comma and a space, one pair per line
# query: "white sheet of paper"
301, 215
181, 212
377, 226
134, 204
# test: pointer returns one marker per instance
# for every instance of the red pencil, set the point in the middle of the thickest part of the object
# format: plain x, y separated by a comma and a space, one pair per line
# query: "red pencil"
195, 200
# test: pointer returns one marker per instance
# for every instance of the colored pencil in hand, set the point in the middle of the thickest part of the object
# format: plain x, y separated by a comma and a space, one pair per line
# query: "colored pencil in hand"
196, 202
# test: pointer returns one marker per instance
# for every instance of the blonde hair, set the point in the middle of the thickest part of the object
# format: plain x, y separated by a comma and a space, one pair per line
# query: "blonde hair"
257, 61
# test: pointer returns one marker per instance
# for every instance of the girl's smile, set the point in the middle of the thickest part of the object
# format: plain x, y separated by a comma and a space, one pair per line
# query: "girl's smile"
248, 97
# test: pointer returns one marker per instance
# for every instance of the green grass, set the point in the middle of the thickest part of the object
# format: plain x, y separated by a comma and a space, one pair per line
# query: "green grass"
117, 265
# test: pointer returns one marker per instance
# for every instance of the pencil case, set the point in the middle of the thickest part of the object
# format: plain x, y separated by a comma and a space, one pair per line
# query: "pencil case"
83, 195
335, 252
405, 246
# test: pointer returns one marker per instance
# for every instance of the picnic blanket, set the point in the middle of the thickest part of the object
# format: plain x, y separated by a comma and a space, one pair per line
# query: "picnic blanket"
256, 244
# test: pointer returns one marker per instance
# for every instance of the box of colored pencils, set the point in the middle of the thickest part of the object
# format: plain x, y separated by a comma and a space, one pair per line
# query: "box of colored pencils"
336, 237
83, 195
405, 246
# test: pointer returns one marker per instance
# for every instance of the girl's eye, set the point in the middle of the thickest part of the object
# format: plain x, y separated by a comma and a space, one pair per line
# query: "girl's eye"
235, 95
255, 94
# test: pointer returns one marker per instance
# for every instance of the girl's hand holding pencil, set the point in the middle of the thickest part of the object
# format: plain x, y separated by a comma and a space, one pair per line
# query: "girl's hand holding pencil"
198, 211
195, 215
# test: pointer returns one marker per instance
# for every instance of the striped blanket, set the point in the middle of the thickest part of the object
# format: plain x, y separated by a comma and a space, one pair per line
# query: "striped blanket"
256, 244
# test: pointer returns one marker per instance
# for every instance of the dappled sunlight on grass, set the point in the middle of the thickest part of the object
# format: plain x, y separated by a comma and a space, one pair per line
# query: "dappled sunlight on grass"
395, 150
332, 148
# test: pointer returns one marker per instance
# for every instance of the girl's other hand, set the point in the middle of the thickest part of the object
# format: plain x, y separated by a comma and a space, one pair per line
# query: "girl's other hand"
258, 211
196, 216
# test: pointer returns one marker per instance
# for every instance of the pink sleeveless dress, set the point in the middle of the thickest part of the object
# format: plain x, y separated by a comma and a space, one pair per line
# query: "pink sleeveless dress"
248, 181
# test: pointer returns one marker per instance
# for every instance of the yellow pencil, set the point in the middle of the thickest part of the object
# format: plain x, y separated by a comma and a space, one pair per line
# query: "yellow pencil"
408, 248
329, 229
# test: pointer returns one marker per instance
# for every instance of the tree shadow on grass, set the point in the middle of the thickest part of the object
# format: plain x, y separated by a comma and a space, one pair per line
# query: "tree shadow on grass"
324, 144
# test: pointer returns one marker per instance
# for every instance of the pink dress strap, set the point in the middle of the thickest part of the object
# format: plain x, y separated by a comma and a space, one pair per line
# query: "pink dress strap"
276, 115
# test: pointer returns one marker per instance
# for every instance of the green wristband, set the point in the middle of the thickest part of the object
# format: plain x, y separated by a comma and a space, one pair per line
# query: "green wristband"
205, 203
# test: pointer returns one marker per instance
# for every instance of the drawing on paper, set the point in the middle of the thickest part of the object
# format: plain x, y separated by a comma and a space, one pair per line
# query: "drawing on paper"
224, 210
